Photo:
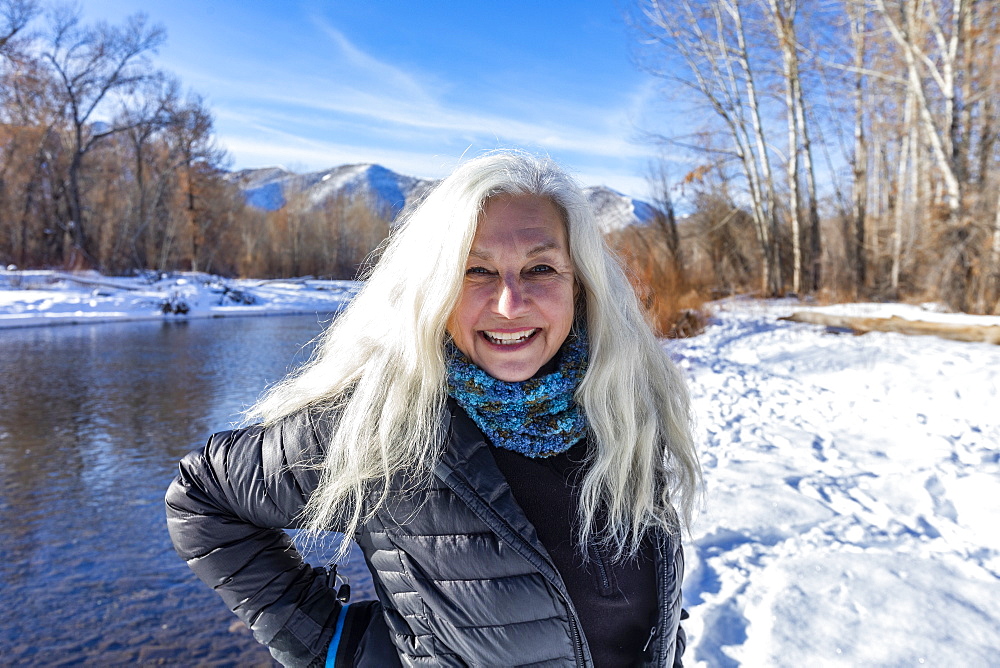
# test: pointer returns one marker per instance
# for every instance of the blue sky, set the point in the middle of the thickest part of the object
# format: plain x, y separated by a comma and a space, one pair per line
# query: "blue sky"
413, 86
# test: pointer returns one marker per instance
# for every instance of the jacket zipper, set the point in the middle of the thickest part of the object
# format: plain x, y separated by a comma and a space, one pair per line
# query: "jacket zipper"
577, 639
602, 569
661, 555
649, 640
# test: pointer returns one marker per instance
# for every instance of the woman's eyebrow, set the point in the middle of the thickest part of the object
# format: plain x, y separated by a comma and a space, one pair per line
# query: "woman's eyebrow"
537, 250
541, 248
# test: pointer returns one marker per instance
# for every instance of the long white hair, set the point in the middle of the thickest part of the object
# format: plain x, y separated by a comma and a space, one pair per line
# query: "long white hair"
380, 368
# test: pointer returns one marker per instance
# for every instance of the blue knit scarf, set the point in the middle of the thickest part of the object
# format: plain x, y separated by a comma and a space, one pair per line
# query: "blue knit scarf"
536, 417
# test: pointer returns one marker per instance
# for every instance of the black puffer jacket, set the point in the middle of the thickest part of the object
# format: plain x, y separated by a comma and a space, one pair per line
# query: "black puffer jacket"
461, 577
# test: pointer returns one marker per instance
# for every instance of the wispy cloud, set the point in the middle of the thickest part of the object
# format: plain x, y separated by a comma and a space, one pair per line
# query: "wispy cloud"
370, 69
296, 153
346, 104
302, 84
382, 95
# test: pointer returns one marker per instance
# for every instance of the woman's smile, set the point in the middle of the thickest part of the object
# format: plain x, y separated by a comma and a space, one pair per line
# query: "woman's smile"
508, 339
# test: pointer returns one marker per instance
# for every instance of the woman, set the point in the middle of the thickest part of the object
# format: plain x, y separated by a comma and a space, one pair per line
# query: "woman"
496, 426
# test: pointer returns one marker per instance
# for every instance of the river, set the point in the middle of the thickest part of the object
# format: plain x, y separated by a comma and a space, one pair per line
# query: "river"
93, 420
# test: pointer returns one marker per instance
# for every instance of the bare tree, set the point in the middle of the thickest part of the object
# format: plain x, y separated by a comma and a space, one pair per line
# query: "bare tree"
665, 219
711, 41
15, 15
783, 16
93, 63
189, 135
908, 26
854, 233
144, 114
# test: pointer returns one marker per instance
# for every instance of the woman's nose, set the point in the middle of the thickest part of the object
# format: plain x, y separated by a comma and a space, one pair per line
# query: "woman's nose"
511, 301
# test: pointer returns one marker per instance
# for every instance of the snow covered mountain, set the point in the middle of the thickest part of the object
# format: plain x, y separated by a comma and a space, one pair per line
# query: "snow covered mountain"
615, 210
387, 191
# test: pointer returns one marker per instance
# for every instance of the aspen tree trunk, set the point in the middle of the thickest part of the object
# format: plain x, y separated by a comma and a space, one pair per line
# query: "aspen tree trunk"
881, 206
903, 193
773, 258
988, 81
963, 125
988, 169
815, 253
995, 263
757, 181
939, 135
141, 216
795, 200
859, 199
782, 16
191, 215
815, 231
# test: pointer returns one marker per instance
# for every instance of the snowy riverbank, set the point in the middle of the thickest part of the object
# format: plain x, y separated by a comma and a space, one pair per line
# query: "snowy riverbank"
34, 298
853, 482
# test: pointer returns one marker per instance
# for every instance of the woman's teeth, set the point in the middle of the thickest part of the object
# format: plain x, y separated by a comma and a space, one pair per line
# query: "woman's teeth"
509, 338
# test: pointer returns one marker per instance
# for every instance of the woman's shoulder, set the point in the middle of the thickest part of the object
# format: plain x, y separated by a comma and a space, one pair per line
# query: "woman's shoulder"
305, 432
295, 439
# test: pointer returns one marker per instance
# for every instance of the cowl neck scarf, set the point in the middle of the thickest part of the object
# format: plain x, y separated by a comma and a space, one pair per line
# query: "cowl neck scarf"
536, 417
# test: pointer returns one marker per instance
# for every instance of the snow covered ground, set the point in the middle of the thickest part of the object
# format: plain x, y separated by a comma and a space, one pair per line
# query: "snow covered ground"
32, 298
853, 482
853, 494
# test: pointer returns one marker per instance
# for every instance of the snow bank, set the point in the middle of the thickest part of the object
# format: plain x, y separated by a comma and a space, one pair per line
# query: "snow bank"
853, 493
32, 298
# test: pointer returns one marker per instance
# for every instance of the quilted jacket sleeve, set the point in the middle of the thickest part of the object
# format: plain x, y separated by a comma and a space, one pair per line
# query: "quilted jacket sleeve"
225, 512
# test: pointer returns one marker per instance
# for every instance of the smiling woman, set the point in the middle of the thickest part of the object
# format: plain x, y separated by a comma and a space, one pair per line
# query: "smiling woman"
495, 425
516, 306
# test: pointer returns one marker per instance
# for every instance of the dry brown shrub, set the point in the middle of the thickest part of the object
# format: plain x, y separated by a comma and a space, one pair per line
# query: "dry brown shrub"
673, 299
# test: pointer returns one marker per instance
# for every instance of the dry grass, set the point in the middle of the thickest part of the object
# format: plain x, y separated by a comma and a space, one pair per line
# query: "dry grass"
673, 300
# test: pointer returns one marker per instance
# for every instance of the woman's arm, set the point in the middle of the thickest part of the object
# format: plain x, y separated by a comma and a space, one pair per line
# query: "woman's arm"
225, 512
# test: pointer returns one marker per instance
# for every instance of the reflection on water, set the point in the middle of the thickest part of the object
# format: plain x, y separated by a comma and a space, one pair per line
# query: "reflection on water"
92, 422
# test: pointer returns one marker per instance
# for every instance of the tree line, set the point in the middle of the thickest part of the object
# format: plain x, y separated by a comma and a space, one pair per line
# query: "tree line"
849, 147
845, 149
106, 163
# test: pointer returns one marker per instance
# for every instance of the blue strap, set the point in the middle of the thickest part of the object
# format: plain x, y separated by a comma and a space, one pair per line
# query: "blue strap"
331, 654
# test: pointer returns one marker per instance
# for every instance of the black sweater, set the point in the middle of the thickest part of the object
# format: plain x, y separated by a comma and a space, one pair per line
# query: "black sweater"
616, 602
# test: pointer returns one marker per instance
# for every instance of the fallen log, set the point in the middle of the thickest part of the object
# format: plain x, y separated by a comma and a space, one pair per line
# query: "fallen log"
863, 325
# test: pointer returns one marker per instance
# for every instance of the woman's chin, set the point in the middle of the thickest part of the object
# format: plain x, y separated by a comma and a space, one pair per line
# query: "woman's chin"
512, 369
511, 373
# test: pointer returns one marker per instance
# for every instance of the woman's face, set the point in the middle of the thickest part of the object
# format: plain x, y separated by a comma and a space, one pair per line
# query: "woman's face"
516, 306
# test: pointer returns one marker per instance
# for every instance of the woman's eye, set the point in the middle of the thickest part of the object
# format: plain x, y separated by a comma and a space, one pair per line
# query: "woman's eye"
541, 269
477, 271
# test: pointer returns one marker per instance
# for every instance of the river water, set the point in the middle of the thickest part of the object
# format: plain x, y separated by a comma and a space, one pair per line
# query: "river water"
93, 420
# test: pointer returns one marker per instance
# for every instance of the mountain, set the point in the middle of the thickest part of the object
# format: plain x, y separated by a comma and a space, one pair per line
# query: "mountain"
615, 210
385, 190
271, 188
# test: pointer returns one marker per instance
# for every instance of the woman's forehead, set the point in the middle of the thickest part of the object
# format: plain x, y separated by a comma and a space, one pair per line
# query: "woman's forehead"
527, 220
